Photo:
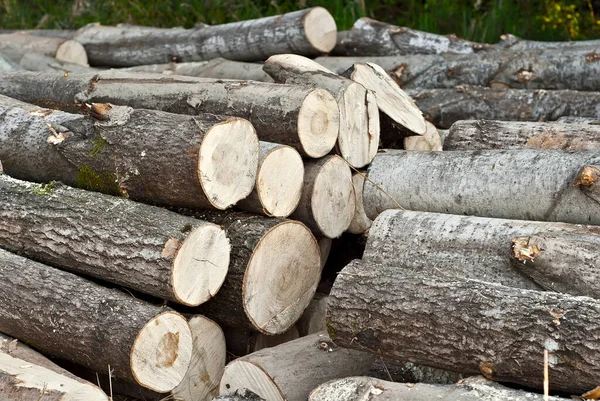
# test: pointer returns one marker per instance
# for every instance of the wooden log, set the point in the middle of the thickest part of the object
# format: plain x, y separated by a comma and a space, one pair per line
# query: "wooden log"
309, 32
44, 307
278, 181
26, 374
240, 395
8, 65
143, 247
360, 221
313, 318
357, 143
490, 134
205, 161
443, 107
475, 388
430, 140
304, 118
515, 43
17, 44
466, 325
523, 254
32, 61
328, 203
291, 370
501, 183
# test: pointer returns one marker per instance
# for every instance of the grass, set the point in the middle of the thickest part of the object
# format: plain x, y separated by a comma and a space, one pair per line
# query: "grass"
478, 20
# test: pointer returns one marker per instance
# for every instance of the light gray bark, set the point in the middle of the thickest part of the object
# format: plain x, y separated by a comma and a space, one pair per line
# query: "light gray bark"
8, 65
527, 184
32, 61
512, 42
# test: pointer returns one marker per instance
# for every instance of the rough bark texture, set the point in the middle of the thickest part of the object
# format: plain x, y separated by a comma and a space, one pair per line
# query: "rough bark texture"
528, 184
272, 109
513, 42
64, 315
291, 370
443, 107
116, 240
467, 325
490, 134
251, 40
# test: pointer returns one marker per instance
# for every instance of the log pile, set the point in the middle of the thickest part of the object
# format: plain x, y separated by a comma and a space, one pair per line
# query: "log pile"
214, 217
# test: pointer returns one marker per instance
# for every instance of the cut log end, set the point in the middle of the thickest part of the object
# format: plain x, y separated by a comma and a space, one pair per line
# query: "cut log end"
431, 140
320, 29
354, 141
201, 264
281, 277
228, 162
161, 352
360, 222
243, 374
71, 51
318, 123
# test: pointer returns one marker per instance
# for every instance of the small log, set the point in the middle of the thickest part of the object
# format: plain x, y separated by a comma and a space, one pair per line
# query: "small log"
309, 32
467, 325
205, 161
64, 315
328, 202
430, 140
443, 107
360, 222
313, 318
16, 45
240, 395
32, 61
291, 370
308, 119
500, 183
489, 134
475, 388
357, 143
278, 181
513, 42
143, 247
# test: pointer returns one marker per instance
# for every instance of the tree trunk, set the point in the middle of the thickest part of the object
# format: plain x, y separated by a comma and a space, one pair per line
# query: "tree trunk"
308, 32
527, 184
357, 143
360, 222
278, 182
64, 315
150, 156
327, 204
32, 61
490, 134
313, 318
443, 107
291, 370
467, 325
27, 375
16, 45
146, 248
304, 118
475, 388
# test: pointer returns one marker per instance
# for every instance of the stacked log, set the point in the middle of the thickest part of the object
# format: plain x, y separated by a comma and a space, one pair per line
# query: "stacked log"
16, 45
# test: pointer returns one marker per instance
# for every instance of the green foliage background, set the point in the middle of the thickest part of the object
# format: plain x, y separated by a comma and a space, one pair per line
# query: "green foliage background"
478, 20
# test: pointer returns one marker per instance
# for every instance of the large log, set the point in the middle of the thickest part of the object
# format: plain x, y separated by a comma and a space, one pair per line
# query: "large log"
526, 184
443, 107
152, 156
291, 370
16, 45
143, 247
357, 142
490, 134
467, 325
304, 118
64, 315
309, 32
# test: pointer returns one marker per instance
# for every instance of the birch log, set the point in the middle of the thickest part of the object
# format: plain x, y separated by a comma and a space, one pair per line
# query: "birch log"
328, 203
360, 221
467, 325
64, 315
358, 137
278, 182
490, 183
443, 107
146, 248
17, 44
515, 43
490, 134
304, 118
291, 370
309, 32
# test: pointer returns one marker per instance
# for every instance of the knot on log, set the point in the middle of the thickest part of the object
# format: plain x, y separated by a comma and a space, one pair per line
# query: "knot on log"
587, 177
524, 249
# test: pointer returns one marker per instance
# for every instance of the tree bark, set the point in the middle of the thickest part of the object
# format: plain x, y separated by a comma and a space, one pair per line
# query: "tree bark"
357, 143
360, 222
16, 45
467, 325
443, 107
304, 118
32, 61
278, 182
146, 248
291, 370
328, 203
527, 184
308, 32
512, 42
490, 134
44, 307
